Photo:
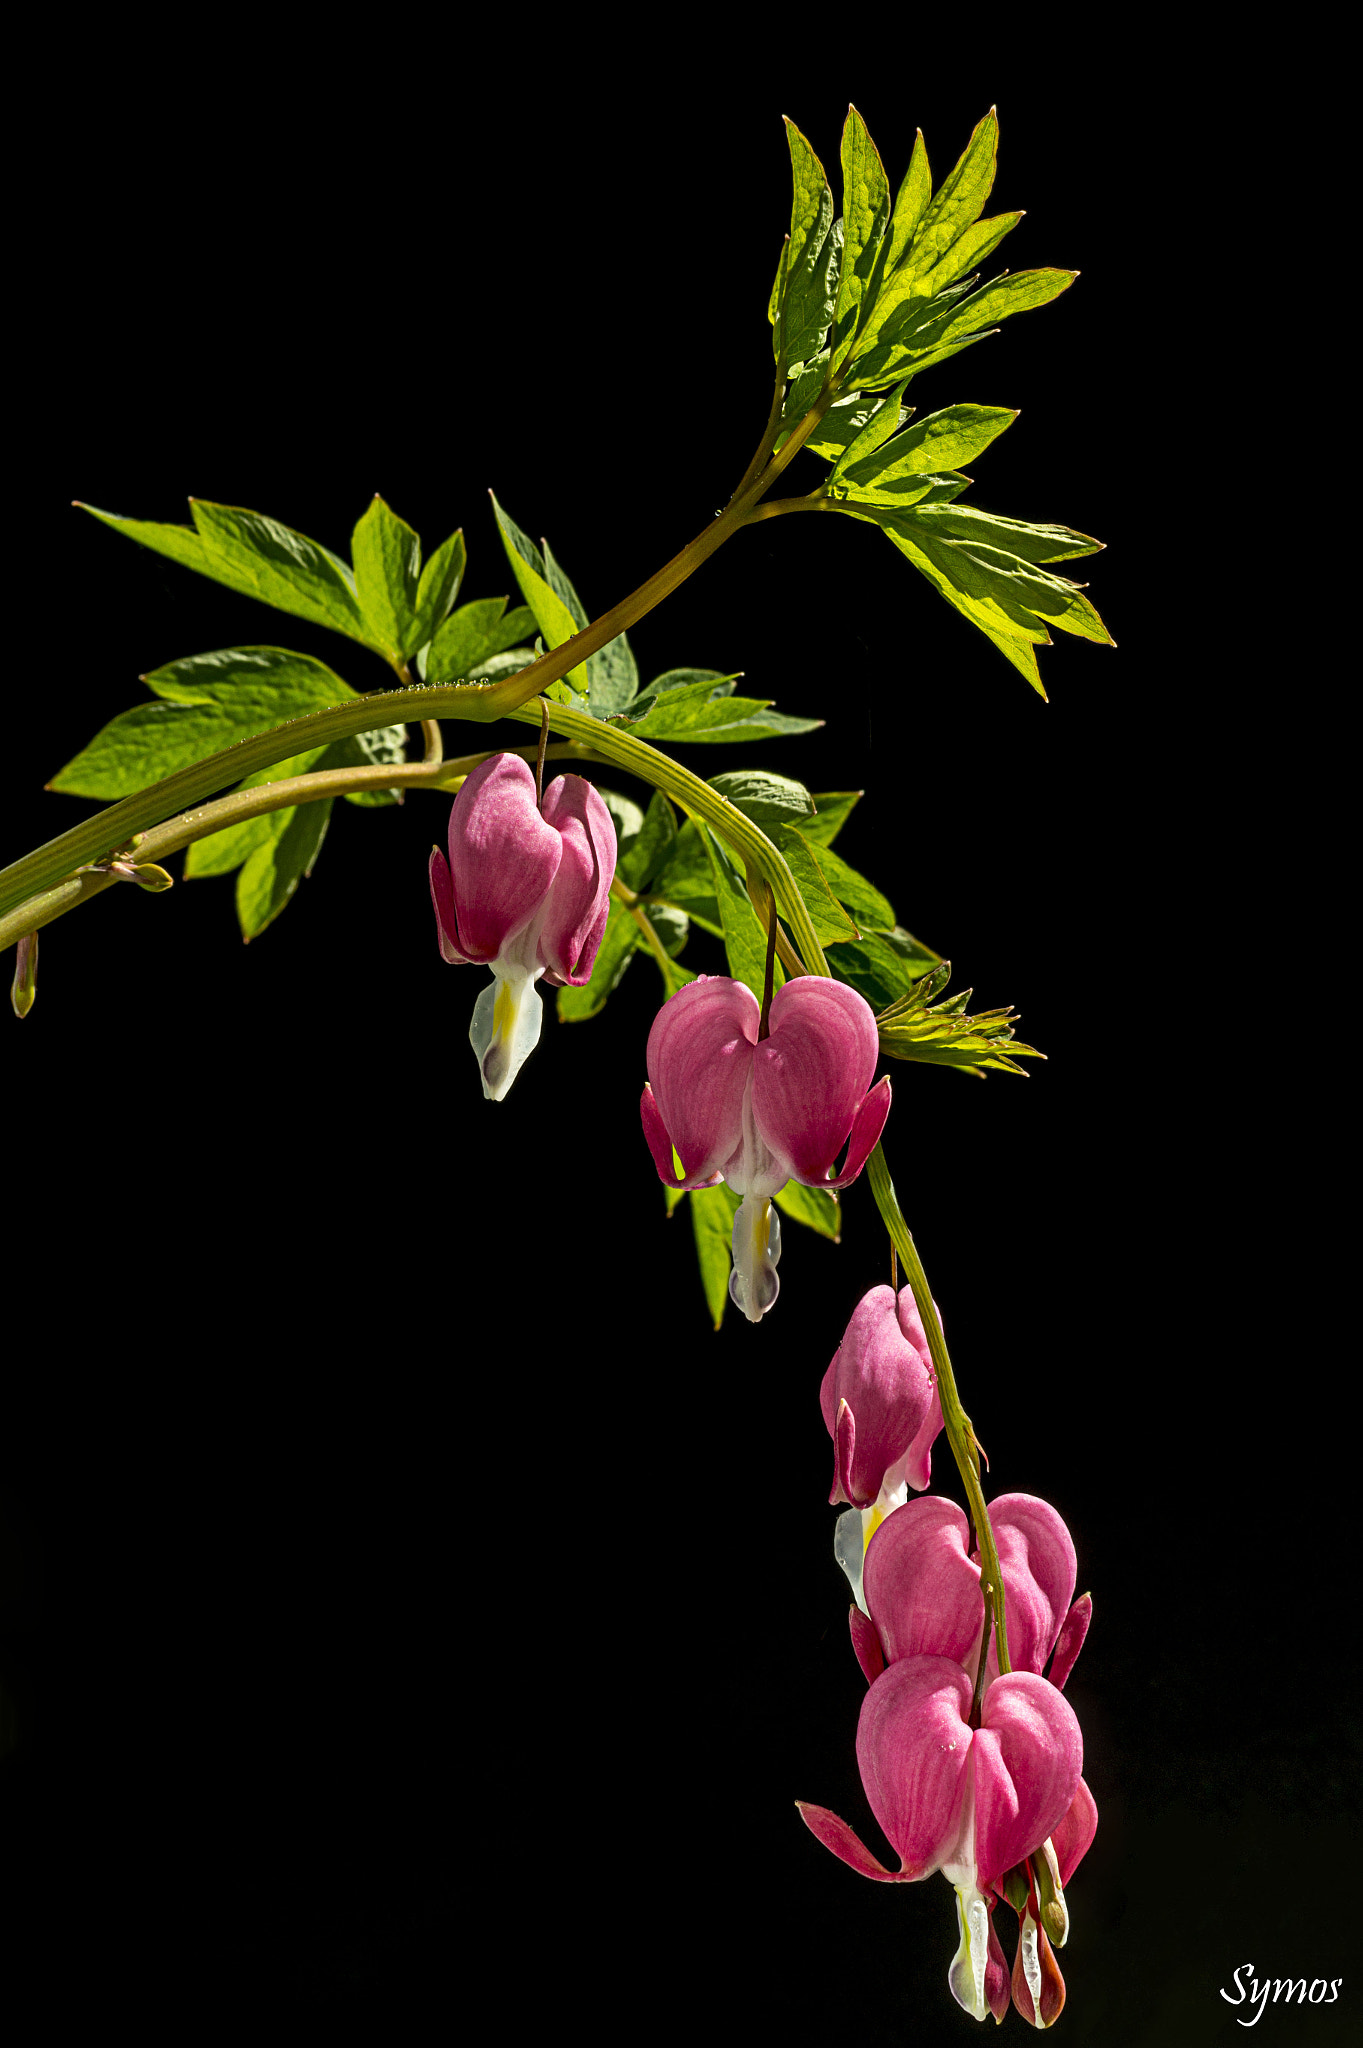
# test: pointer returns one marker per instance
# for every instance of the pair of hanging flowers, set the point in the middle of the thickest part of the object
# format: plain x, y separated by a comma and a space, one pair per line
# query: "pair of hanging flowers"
971, 1762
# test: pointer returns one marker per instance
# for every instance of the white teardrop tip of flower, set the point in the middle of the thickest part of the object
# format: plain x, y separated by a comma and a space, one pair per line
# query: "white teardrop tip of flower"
966, 1975
849, 1548
753, 1285
505, 1030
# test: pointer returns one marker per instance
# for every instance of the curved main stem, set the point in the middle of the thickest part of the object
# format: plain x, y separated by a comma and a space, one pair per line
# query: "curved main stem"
960, 1434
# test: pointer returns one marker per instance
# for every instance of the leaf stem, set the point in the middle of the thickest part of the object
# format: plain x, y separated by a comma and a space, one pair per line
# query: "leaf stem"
960, 1433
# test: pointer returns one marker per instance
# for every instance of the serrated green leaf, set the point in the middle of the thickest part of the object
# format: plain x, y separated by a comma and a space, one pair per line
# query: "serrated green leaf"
879, 426
1014, 536
712, 1221
745, 938
637, 866
882, 966
942, 441
911, 203
255, 556
705, 712
958, 202
270, 561
966, 253
805, 862
866, 903
865, 217
948, 576
439, 586
765, 798
1019, 292
812, 255
833, 807
213, 700
618, 944
848, 418
387, 558
473, 634
553, 615
817, 1208
612, 673
943, 1034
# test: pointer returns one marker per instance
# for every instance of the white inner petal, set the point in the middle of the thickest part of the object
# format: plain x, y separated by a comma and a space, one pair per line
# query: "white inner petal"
506, 1025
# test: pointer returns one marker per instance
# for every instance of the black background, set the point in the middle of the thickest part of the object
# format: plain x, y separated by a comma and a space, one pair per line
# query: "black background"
407, 1599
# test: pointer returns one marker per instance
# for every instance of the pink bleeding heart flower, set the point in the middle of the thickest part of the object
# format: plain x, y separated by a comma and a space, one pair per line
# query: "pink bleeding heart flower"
759, 1112
525, 892
970, 1802
881, 1407
921, 1586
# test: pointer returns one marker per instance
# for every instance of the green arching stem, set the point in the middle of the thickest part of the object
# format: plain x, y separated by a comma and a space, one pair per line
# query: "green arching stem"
38, 872
960, 1434
175, 833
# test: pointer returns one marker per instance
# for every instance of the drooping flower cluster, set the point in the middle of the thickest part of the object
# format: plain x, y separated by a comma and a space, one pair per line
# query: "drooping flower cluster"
971, 1762
971, 1773
723, 1102
524, 892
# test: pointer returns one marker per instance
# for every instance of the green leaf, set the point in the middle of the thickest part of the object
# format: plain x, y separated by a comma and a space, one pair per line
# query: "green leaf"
1019, 292
745, 938
1013, 536
387, 557
847, 419
959, 201
778, 287
882, 966
255, 556
213, 701
865, 216
942, 441
553, 614
885, 415
833, 808
707, 713
910, 205
223, 851
684, 873
283, 568
861, 897
649, 852
817, 1208
626, 817
812, 255
439, 586
765, 798
914, 1028
385, 746
805, 862
472, 635
966, 253
612, 673
1015, 633
618, 944
273, 870
712, 1221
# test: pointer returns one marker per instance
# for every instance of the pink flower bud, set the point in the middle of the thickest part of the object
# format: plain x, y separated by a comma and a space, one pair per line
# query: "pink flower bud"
879, 1401
525, 891
758, 1113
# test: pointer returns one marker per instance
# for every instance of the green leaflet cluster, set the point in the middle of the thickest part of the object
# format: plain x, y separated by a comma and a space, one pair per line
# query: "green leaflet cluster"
864, 303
